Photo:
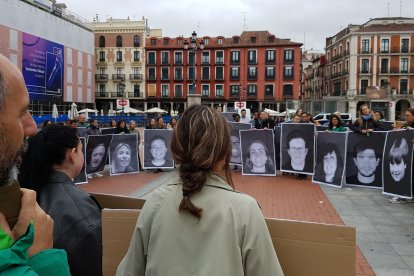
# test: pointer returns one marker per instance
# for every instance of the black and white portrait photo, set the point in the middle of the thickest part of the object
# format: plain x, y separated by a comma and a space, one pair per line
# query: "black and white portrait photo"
397, 163
258, 152
364, 159
330, 158
96, 153
157, 151
297, 147
229, 116
81, 177
81, 131
123, 154
236, 158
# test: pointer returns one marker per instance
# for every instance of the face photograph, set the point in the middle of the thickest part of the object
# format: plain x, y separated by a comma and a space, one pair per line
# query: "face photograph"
364, 159
297, 147
330, 158
81, 177
157, 152
123, 155
235, 141
97, 152
258, 153
397, 164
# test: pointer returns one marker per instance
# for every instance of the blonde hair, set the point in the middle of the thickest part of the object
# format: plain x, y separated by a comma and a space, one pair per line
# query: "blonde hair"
199, 142
360, 120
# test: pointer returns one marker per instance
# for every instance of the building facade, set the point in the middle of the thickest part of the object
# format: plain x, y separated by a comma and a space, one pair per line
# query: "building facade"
256, 68
371, 63
120, 62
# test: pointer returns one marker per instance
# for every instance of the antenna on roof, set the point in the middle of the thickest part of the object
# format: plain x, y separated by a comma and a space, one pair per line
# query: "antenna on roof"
401, 5
244, 22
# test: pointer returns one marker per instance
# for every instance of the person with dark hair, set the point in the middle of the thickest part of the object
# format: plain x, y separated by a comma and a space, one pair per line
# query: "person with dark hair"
263, 122
366, 158
259, 159
93, 128
121, 128
335, 124
297, 149
160, 123
366, 123
47, 123
112, 123
96, 157
152, 124
236, 118
198, 211
244, 119
26, 247
329, 166
54, 157
158, 149
121, 159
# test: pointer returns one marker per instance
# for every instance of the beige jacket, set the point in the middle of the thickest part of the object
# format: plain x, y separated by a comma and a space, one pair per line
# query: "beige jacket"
230, 239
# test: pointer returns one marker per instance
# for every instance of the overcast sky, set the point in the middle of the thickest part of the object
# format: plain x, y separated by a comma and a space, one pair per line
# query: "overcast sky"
305, 21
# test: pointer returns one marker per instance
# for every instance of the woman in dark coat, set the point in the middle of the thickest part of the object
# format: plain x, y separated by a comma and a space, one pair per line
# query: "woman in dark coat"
366, 123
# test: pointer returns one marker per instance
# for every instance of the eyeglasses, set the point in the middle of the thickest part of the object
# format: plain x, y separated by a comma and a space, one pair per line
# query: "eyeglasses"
297, 149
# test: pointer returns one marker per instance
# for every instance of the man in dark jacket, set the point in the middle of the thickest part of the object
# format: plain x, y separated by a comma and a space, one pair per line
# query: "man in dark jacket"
93, 128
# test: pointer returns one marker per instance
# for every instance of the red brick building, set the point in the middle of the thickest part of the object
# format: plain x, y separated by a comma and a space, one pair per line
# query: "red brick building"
255, 67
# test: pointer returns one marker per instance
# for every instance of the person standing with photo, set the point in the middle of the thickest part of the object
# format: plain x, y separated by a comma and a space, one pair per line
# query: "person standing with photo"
329, 166
366, 123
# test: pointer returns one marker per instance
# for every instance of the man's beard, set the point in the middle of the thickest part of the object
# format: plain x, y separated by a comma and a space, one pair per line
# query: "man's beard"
9, 161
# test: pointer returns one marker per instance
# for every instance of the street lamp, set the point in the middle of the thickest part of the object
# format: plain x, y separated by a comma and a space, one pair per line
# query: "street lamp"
241, 95
194, 46
122, 87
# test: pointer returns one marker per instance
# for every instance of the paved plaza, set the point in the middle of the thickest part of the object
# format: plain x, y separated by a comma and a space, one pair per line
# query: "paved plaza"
385, 231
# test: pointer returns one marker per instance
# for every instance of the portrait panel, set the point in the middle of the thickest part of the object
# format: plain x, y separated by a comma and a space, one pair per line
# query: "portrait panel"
97, 148
236, 156
157, 149
123, 154
81, 177
228, 116
258, 152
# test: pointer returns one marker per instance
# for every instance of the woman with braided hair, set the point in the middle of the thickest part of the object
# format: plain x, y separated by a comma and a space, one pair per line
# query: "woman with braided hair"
197, 224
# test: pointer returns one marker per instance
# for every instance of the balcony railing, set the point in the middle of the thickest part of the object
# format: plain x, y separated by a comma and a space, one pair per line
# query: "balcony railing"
118, 77
135, 95
136, 77
102, 94
101, 77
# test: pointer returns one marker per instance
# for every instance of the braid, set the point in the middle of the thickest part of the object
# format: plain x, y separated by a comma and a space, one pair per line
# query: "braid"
200, 140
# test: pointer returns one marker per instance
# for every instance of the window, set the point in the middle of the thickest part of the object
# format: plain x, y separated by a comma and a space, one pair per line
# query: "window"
404, 65
219, 57
403, 86
234, 73
235, 57
234, 91
205, 90
385, 45
384, 65
191, 59
178, 58
102, 90
153, 42
269, 90
251, 90
289, 55
136, 56
165, 91
151, 58
118, 41
253, 39
191, 73
405, 44
151, 73
165, 41
137, 90
252, 73
271, 39
179, 41
205, 57
337, 88
251, 57
165, 58
136, 40
235, 40
178, 90
178, 73
220, 73
384, 83
365, 46
288, 72
219, 90
288, 90
102, 41
165, 74
120, 90
365, 66
136, 70
118, 55
205, 73
101, 56
220, 41
364, 84
270, 72
206, 41
270, 57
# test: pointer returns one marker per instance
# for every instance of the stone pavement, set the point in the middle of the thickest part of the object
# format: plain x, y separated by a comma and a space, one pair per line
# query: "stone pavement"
385, 231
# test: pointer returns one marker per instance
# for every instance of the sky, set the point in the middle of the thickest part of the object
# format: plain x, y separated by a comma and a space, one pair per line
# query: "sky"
305, 21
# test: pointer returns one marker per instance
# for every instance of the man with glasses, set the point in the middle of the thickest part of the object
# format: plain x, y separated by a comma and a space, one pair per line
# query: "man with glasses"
297, 149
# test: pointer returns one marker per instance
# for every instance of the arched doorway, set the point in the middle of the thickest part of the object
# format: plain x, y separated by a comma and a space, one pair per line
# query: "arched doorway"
400, 108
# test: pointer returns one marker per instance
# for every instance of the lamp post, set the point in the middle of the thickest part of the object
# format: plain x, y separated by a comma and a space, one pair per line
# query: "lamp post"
241, 94
194, 46
122, 87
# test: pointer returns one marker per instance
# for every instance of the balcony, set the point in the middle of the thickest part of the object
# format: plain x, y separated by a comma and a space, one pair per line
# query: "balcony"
384, 71
251, 96
136, 62
337, 57
219, 78
178, 95
151, 78
165, 78
235, 77
365, 51
252, 62
178, 62
101, 77
118, 77
205, 62
219, 62
205, 78
270, 62
135, 95
136, 77
288, 61
288, 77
269, 97
205, 95
364, 71
178, 78
165, 63
117, 94
235, 62
234, 95
251, 77
269, 77
346, 53
101, 94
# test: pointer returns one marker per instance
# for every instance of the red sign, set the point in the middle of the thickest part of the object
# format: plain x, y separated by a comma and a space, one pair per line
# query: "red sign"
240, 105
123, 102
